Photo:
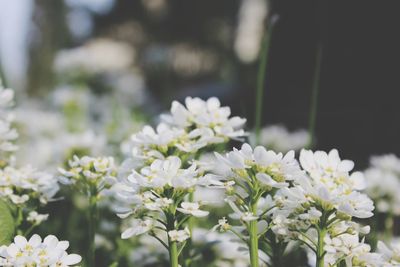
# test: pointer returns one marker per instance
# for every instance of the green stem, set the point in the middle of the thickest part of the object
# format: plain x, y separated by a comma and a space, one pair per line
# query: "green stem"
92, 227
261, 76
321, 248
172, 246
314, 98
253, 239
173, 253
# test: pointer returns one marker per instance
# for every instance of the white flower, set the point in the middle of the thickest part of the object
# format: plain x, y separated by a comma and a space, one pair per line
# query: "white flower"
389, 162
222, 225
96, 56
36, 218
192, 209
51, 252
179, 235
241, 215
137, 227
383, 181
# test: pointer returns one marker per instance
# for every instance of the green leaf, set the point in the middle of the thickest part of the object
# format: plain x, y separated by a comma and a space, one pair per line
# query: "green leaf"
7, 227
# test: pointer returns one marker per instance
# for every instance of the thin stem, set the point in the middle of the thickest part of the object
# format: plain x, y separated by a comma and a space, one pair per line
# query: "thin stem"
322, 230
261, 79
92, 227
320, 248
173, 253
172, 246
159, 240
314, 98
191, 222
253, 238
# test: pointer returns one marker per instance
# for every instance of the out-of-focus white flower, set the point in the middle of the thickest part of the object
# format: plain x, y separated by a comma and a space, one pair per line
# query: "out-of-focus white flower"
97, 56
383, 181
252, 14
19, 185
391, 254
179, 235
278, 138
389, 162
35, 218
245, 216
220, 243
7, 133
33, 252
192, 209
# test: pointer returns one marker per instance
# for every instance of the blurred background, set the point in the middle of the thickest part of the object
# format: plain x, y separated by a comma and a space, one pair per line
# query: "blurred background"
115, 61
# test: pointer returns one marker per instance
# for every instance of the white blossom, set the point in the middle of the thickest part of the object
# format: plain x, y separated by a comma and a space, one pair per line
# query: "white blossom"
137, 227
278, 138
35, 218
179, 235
192, 209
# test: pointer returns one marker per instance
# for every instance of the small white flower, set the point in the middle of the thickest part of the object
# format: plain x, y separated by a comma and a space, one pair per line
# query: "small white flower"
137, 227
278, 138
36, 218
192, 209
246, 216
222, 225
179, 235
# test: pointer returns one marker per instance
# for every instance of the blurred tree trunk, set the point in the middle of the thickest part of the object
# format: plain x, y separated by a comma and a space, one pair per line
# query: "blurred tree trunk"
49, 32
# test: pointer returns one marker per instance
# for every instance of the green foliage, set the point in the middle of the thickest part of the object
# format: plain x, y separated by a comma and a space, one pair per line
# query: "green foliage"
7, 227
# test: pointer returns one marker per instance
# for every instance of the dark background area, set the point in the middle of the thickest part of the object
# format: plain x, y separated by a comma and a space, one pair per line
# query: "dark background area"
359, 77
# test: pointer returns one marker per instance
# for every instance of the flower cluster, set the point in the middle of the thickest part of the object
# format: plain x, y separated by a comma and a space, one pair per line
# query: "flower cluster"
37, 252
158, 180
319, 207
157, 192
254, 177
328, 191
186, 130
383, 181
199, 114
88, 173
314, 202
24, 184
